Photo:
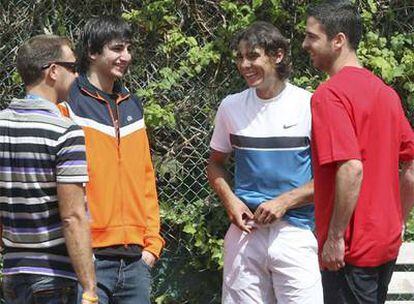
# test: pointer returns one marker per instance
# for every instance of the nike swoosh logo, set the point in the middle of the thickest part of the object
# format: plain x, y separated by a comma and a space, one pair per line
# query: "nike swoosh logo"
286, 126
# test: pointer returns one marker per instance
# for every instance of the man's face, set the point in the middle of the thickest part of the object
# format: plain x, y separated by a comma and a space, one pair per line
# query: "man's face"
318, 46
257, 68
114, 59
65, 76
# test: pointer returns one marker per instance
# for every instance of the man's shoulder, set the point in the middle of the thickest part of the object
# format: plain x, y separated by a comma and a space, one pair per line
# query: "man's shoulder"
232, 99
298, 90
65, 123
4, 113
42, 117
68, 123
298, 94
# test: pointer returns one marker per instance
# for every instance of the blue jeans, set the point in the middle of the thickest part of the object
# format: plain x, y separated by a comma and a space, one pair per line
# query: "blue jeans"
38, 289
122, 281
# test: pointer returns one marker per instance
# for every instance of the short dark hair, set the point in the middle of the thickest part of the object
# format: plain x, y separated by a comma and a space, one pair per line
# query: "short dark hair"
267, 36
98, 32
338, 17
37, 51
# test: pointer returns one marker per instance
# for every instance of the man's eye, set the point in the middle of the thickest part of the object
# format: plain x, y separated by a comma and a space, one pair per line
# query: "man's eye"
252, 56
117, 48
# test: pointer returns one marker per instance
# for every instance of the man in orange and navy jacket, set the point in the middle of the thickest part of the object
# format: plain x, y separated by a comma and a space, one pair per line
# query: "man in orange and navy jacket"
121, 194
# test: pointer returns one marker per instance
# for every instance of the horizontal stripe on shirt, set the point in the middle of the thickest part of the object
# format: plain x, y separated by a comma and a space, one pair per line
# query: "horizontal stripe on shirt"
240, 141
40, 224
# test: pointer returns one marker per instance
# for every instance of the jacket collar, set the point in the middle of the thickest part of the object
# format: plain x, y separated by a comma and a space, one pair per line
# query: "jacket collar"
86, 86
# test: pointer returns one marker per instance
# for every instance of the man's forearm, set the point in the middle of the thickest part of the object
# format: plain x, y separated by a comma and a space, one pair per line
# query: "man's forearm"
78, 242
218, 179
347, 187
76, 232
298, 197
237, 211
407, 188
1, 236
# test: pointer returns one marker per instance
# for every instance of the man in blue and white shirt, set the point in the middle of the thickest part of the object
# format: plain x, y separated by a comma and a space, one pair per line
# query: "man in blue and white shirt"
270, 252
44, 227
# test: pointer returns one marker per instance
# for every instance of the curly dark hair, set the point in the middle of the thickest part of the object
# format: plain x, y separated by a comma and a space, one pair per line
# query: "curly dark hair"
267, 36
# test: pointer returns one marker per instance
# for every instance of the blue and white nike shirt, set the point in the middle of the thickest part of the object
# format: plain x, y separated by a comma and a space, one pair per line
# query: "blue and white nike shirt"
271, 143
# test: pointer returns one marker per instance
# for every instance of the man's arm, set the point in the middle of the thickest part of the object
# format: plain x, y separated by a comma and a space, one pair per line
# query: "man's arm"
153, 242
347, 187
218, 178
274, 209
407, 188
77, 234
1, 236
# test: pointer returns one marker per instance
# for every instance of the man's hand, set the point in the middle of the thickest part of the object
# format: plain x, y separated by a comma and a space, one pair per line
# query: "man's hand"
333, 254
148, 258
270, 211
240, 215
276, 208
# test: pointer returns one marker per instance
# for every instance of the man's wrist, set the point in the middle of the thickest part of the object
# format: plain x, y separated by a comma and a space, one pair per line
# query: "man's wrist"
335, 235
90, 296
285, 201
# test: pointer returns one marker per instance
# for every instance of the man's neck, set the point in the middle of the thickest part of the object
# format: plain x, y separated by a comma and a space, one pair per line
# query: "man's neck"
347, 59
42, 92
272, 91
101, 82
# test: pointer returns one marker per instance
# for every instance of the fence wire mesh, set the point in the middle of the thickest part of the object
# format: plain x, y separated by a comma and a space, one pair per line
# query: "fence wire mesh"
180, 150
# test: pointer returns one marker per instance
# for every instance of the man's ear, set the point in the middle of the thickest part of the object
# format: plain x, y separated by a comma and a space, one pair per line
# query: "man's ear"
92, 57
279, 55
339, 41
52, 72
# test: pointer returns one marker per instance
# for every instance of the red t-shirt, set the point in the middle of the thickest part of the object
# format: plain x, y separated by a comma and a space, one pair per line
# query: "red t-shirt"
356, 116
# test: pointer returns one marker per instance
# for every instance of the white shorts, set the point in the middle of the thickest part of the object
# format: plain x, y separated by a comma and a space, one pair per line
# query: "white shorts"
272, 264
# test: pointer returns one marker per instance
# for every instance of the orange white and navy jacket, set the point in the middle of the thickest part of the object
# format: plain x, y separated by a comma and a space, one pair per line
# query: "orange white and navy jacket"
121, 192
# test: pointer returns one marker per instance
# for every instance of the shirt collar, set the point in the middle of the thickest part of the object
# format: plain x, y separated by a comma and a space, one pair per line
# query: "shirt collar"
88, 86
37, 103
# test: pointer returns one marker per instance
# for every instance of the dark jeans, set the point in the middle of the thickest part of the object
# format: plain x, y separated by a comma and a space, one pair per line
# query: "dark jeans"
38, 289
357, 285
122, 281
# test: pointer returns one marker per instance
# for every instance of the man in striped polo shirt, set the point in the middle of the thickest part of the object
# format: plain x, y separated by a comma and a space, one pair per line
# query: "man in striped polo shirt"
44, 227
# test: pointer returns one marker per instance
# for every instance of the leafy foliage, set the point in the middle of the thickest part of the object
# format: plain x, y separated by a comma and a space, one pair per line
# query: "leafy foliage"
182, 69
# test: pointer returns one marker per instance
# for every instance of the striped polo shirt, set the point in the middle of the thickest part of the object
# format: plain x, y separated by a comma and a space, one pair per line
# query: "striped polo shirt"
38, 149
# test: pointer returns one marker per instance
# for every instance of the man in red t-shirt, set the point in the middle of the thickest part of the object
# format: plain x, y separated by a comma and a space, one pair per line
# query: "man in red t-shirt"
360, 136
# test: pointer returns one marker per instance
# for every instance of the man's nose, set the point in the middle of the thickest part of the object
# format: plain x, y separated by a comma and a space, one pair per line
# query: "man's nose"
245, 63
305, 44
126, 55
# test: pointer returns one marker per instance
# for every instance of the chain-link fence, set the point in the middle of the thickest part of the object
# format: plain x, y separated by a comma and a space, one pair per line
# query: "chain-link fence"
193, 222
180, 150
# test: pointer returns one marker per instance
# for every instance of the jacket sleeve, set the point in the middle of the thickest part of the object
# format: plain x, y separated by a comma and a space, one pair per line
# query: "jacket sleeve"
153, 242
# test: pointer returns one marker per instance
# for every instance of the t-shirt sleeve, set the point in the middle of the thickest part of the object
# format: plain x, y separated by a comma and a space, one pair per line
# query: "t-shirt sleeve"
407, 140
220, 141
333, 133
70, 161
